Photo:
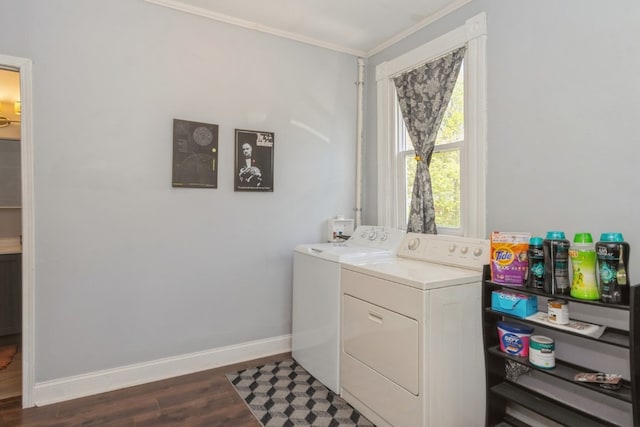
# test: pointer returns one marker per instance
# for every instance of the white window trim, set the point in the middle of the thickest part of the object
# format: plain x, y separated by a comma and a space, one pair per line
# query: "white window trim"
473, 158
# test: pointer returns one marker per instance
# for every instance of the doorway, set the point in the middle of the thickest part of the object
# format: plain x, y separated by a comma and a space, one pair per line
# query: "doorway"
26, 270
10, 232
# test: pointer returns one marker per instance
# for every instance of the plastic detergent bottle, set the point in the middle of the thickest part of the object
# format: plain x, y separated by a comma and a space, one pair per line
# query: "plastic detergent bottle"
535, 270
613, 268
556, 263
583, 264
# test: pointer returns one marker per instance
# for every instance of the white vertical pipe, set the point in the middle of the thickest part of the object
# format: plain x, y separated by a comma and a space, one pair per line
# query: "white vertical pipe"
359, 139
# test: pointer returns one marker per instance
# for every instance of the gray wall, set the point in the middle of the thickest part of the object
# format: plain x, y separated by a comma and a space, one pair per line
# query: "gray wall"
129, 269
563, 137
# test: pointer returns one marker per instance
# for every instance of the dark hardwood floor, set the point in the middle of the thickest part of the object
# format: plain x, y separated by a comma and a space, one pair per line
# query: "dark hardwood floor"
202, 399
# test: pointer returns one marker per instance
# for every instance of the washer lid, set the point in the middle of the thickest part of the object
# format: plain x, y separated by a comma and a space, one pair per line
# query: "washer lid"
365, 241
339, 252
417, 274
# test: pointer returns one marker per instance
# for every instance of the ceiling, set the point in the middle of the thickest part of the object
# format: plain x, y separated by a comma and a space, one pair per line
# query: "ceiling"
358, 27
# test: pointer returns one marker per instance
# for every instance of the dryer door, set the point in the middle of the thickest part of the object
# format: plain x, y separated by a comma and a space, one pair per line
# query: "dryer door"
385, 341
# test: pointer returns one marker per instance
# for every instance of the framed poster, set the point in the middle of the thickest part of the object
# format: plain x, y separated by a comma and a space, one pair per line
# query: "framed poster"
254, 160
195, 154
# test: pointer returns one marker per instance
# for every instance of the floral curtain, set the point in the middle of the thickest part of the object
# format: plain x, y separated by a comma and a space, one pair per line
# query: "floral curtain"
423, 95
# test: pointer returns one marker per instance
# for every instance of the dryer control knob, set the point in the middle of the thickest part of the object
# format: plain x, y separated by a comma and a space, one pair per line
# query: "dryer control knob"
452, 247
477, 252
384, 237
373, 235
413, 244
464, 250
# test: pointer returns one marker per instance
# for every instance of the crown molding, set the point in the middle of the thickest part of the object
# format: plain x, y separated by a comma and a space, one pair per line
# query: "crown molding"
180, 6
418, 26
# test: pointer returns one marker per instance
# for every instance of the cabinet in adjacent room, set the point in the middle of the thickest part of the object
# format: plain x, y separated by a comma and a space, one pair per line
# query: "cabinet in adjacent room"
10, 294
513, 382
10, 173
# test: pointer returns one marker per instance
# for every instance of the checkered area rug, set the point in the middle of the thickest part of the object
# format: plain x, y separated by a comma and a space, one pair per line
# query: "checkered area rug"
284, 394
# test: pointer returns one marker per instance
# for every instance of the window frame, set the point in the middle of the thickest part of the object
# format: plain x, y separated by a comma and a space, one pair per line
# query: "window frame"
473, 34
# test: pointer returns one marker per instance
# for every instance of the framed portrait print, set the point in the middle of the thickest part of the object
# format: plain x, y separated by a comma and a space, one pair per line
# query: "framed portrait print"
254, 160
195, 154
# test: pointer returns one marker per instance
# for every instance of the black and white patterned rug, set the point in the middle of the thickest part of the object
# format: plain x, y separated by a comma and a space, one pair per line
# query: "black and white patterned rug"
284, 394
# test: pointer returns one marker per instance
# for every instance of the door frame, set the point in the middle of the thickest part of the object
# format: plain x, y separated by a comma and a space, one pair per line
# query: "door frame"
24, 66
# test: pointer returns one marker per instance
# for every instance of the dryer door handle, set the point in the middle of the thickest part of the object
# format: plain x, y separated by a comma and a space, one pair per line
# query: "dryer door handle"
375, 317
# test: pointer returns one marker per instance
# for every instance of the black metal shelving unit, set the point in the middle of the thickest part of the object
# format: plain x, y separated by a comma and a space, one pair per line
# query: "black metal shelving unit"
501, 390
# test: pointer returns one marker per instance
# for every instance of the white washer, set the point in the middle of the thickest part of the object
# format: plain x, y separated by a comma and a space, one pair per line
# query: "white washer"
315, 323
411, 348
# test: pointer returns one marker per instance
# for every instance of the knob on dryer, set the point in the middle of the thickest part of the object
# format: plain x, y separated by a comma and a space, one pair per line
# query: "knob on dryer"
413, 244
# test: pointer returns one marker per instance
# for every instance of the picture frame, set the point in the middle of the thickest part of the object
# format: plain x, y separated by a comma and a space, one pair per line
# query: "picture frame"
195, 154
254, 153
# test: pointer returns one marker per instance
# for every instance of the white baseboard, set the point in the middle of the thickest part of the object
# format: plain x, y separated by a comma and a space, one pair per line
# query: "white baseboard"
48, 392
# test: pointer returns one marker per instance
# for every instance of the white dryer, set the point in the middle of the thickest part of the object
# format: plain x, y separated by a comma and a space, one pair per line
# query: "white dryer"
315, 323
411, 352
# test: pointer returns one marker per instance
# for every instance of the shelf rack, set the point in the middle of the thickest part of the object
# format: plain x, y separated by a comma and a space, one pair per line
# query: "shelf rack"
501, 390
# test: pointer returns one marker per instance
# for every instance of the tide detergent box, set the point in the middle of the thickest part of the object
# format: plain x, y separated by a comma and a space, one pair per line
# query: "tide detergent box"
514, 304
509, 257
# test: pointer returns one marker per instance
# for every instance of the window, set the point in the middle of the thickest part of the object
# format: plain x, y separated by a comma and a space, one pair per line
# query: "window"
458, 163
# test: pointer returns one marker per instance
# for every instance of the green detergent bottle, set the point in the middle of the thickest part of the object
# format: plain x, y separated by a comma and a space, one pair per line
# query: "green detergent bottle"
583, 265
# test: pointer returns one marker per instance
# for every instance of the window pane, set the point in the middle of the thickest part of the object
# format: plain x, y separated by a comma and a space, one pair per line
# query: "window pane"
411, 177
404, 140
452, 126
445, 180
408, 142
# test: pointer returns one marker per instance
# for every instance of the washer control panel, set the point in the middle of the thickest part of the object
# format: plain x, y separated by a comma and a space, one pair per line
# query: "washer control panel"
457, 251
372, 236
